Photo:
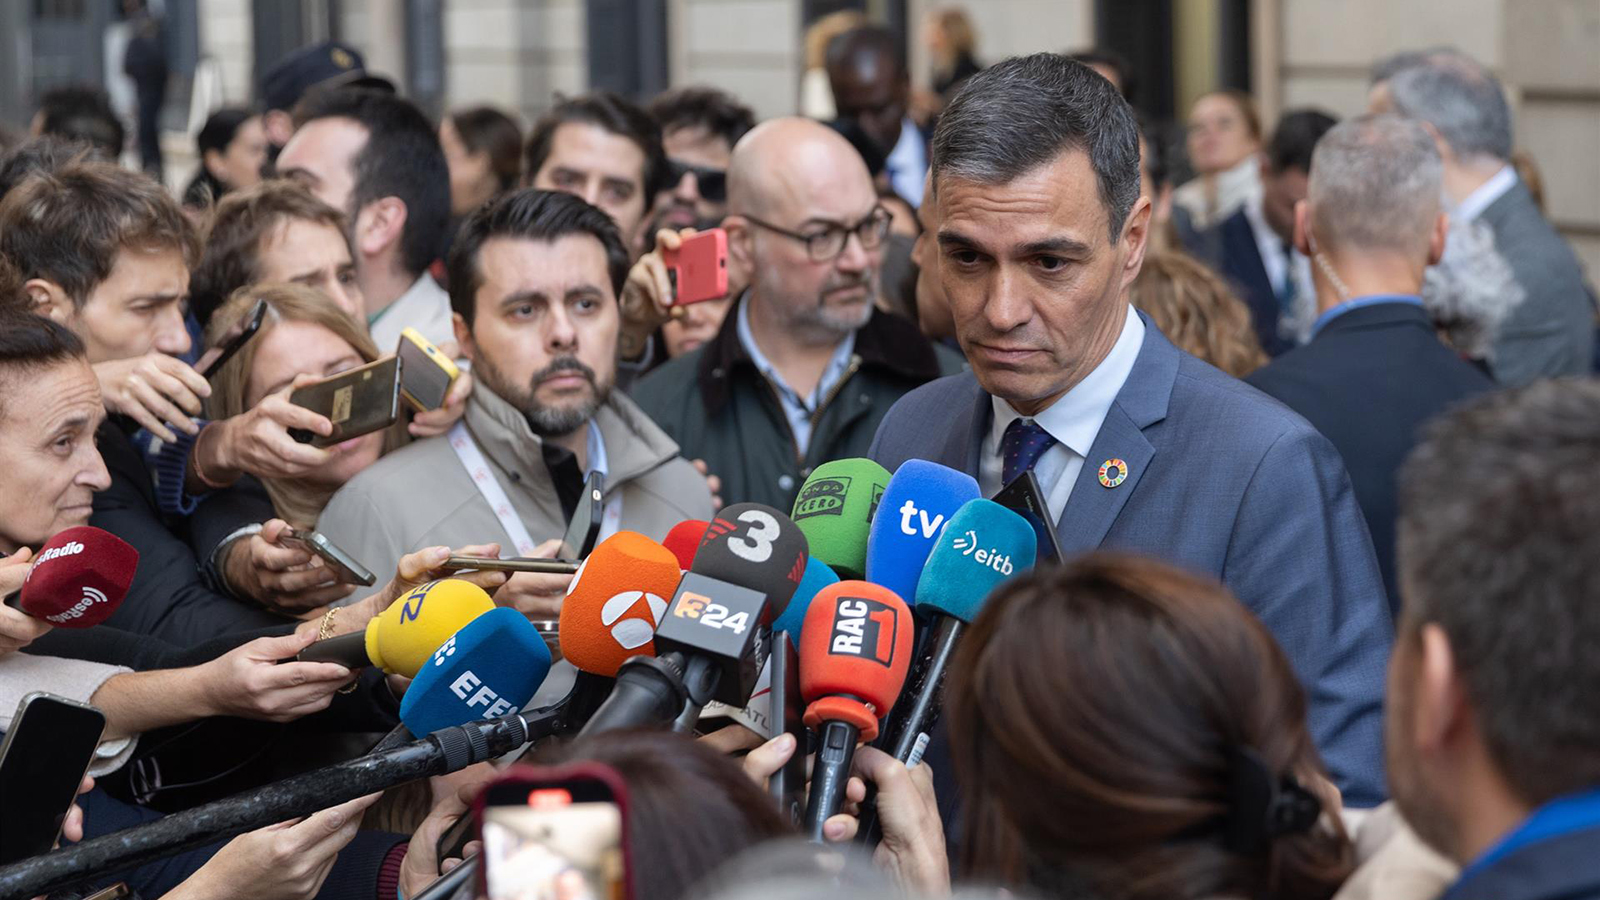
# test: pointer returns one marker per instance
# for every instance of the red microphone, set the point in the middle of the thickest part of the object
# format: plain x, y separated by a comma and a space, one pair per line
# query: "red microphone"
684, 541
79, 578
855, 649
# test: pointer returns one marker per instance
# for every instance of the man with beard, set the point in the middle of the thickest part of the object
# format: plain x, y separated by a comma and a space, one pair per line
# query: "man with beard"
534, 278
1493, 736
804, 367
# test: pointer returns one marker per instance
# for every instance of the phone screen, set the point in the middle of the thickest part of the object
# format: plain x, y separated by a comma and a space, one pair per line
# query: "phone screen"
43, 759
554, 847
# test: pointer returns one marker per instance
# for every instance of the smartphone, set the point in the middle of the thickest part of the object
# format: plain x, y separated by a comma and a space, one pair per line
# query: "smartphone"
514, 564
555, 832
237, 336
43, 759
584, 528
786, 713
698, 269
343, 564
1024, 497
426, 374
357, 402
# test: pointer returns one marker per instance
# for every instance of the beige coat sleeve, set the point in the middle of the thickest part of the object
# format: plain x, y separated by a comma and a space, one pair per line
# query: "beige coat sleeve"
75, 679
1393, 863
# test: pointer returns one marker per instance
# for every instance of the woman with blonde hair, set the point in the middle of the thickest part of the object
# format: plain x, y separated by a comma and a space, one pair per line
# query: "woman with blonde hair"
816, 94
953, 44
1195, 309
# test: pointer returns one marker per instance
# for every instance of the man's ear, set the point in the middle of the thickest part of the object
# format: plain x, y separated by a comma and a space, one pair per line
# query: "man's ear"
1436, 241
469, 350
1440, 709
50, 300
1136, 236
380, 225
212, 160
741, 242
1302, 227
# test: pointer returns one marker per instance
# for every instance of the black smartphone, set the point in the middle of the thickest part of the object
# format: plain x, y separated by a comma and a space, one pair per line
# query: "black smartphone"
237, 336
555, 832
584, 528
357, 402
43, 759
343, 564
788, 784
1024, 497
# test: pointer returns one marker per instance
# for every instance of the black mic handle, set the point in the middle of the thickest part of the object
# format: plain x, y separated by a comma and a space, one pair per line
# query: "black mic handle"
836, 748
346, 650
450, 882
927, 694
650, 692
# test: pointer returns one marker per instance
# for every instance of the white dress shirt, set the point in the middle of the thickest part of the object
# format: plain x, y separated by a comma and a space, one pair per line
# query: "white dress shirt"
1074, 420
907, 163
424, 306
1487, 193
797, 409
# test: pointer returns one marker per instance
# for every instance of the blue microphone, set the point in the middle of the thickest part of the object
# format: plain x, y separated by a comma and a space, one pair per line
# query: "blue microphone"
916, 506
489, 669
817, 576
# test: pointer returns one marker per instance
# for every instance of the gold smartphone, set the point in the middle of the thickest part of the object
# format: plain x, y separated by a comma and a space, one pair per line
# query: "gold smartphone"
426, 374
357, 402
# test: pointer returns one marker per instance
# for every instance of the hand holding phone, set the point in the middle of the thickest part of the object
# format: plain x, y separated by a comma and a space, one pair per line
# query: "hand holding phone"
555, 832
357, 402
698, 269
426, 374
45, 755
343, 564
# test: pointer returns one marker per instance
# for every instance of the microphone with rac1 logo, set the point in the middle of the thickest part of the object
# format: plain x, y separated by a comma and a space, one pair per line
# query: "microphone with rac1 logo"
854, 652
79, 578
716, 633
835, 509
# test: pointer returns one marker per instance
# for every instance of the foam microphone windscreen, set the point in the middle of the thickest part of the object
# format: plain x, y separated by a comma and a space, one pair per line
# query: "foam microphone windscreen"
401, 638
615, 602
984, 545
817, 576
835, 508
684, 539
490, 668
855, 649
79, 577
754, 546
920, 499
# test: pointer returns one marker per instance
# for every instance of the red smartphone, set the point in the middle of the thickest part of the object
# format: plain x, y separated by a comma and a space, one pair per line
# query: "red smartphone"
699, 268
559, 832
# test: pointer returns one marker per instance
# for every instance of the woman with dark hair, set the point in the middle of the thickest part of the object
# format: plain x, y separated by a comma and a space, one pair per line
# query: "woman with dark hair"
483, 148
233, 148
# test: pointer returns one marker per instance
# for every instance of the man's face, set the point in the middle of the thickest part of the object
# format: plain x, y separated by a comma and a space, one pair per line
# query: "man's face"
685, 202
544, 334
876, 96
1280, 191
604, 168
138, 309
698, 325
1035, 284
933, 307
52, 468
321, 156
1219, 134
314, 254
1416, 792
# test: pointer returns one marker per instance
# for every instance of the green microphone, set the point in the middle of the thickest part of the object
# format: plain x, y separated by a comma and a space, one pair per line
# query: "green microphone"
834, 510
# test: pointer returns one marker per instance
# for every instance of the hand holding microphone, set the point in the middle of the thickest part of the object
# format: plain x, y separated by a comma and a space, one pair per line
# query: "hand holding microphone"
77, 580
402, 637
17, 629
250, 682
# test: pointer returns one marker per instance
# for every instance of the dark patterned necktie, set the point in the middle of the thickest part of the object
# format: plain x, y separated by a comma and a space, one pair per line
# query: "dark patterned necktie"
1021, 446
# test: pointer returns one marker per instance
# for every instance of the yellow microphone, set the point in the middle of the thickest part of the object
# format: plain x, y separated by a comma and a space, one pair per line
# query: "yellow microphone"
402, 638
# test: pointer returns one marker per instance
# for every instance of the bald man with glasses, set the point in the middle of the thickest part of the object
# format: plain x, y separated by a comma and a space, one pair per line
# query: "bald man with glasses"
804, 365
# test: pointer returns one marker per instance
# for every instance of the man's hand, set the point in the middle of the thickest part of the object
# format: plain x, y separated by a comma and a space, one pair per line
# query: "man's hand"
713, 483
17, 628
647, 295
155, 390
258, 441
249, 682
415, 570
288, 861
435, 422
536, 595
421, 866
285, 578
913, 847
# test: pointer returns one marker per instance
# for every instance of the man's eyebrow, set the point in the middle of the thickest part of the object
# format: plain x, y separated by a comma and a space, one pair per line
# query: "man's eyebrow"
951, 237
523, 297
1063, 246
162, 297
298, 174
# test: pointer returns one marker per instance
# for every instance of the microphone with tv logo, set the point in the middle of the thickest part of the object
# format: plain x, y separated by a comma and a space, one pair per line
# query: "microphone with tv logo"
854, 652
715, 635
835, 509
490, 668
78, 579
684, 540
984, 545
401, 638
920, 499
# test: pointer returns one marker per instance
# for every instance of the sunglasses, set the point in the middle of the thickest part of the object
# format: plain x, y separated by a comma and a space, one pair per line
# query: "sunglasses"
712, 183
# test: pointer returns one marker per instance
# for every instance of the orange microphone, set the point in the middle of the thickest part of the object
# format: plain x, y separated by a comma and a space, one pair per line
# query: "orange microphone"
615, 601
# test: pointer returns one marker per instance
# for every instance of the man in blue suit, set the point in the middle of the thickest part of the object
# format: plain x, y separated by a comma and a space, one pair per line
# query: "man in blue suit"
1137, 445
1493, 730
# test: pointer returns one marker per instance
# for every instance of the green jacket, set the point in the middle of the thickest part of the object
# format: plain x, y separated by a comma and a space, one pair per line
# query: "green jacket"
717, 407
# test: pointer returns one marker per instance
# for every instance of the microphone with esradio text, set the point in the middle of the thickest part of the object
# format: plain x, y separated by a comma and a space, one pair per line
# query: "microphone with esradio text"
401, 638
78, 579
920, 499
854, 652
835, 508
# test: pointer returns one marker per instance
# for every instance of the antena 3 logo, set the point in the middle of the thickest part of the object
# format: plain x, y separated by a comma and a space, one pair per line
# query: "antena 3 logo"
992, 558
822, 497
864, 629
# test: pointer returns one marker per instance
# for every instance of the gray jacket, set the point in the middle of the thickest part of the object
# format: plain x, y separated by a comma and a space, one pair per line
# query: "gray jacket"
421, 496
1552, 331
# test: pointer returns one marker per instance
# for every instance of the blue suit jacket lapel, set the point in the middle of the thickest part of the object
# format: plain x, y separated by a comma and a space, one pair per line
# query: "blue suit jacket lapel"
963, 441
1093, 508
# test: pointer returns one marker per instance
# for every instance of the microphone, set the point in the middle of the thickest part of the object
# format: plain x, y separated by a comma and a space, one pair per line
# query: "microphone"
835, 508
984, 545
684, 539
614, 602
78, 579
715, 635
854, 652
488, 669
817, 576
401, 638
920, 499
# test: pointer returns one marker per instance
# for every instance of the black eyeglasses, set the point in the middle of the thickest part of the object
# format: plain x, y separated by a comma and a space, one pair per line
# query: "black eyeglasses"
828, 243
712, 183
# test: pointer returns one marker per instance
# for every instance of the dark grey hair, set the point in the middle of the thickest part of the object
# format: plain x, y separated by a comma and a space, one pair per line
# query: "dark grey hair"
1018, 115
1457, 95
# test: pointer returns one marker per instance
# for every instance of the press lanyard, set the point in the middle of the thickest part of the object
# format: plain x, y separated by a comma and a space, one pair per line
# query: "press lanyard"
478, 470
